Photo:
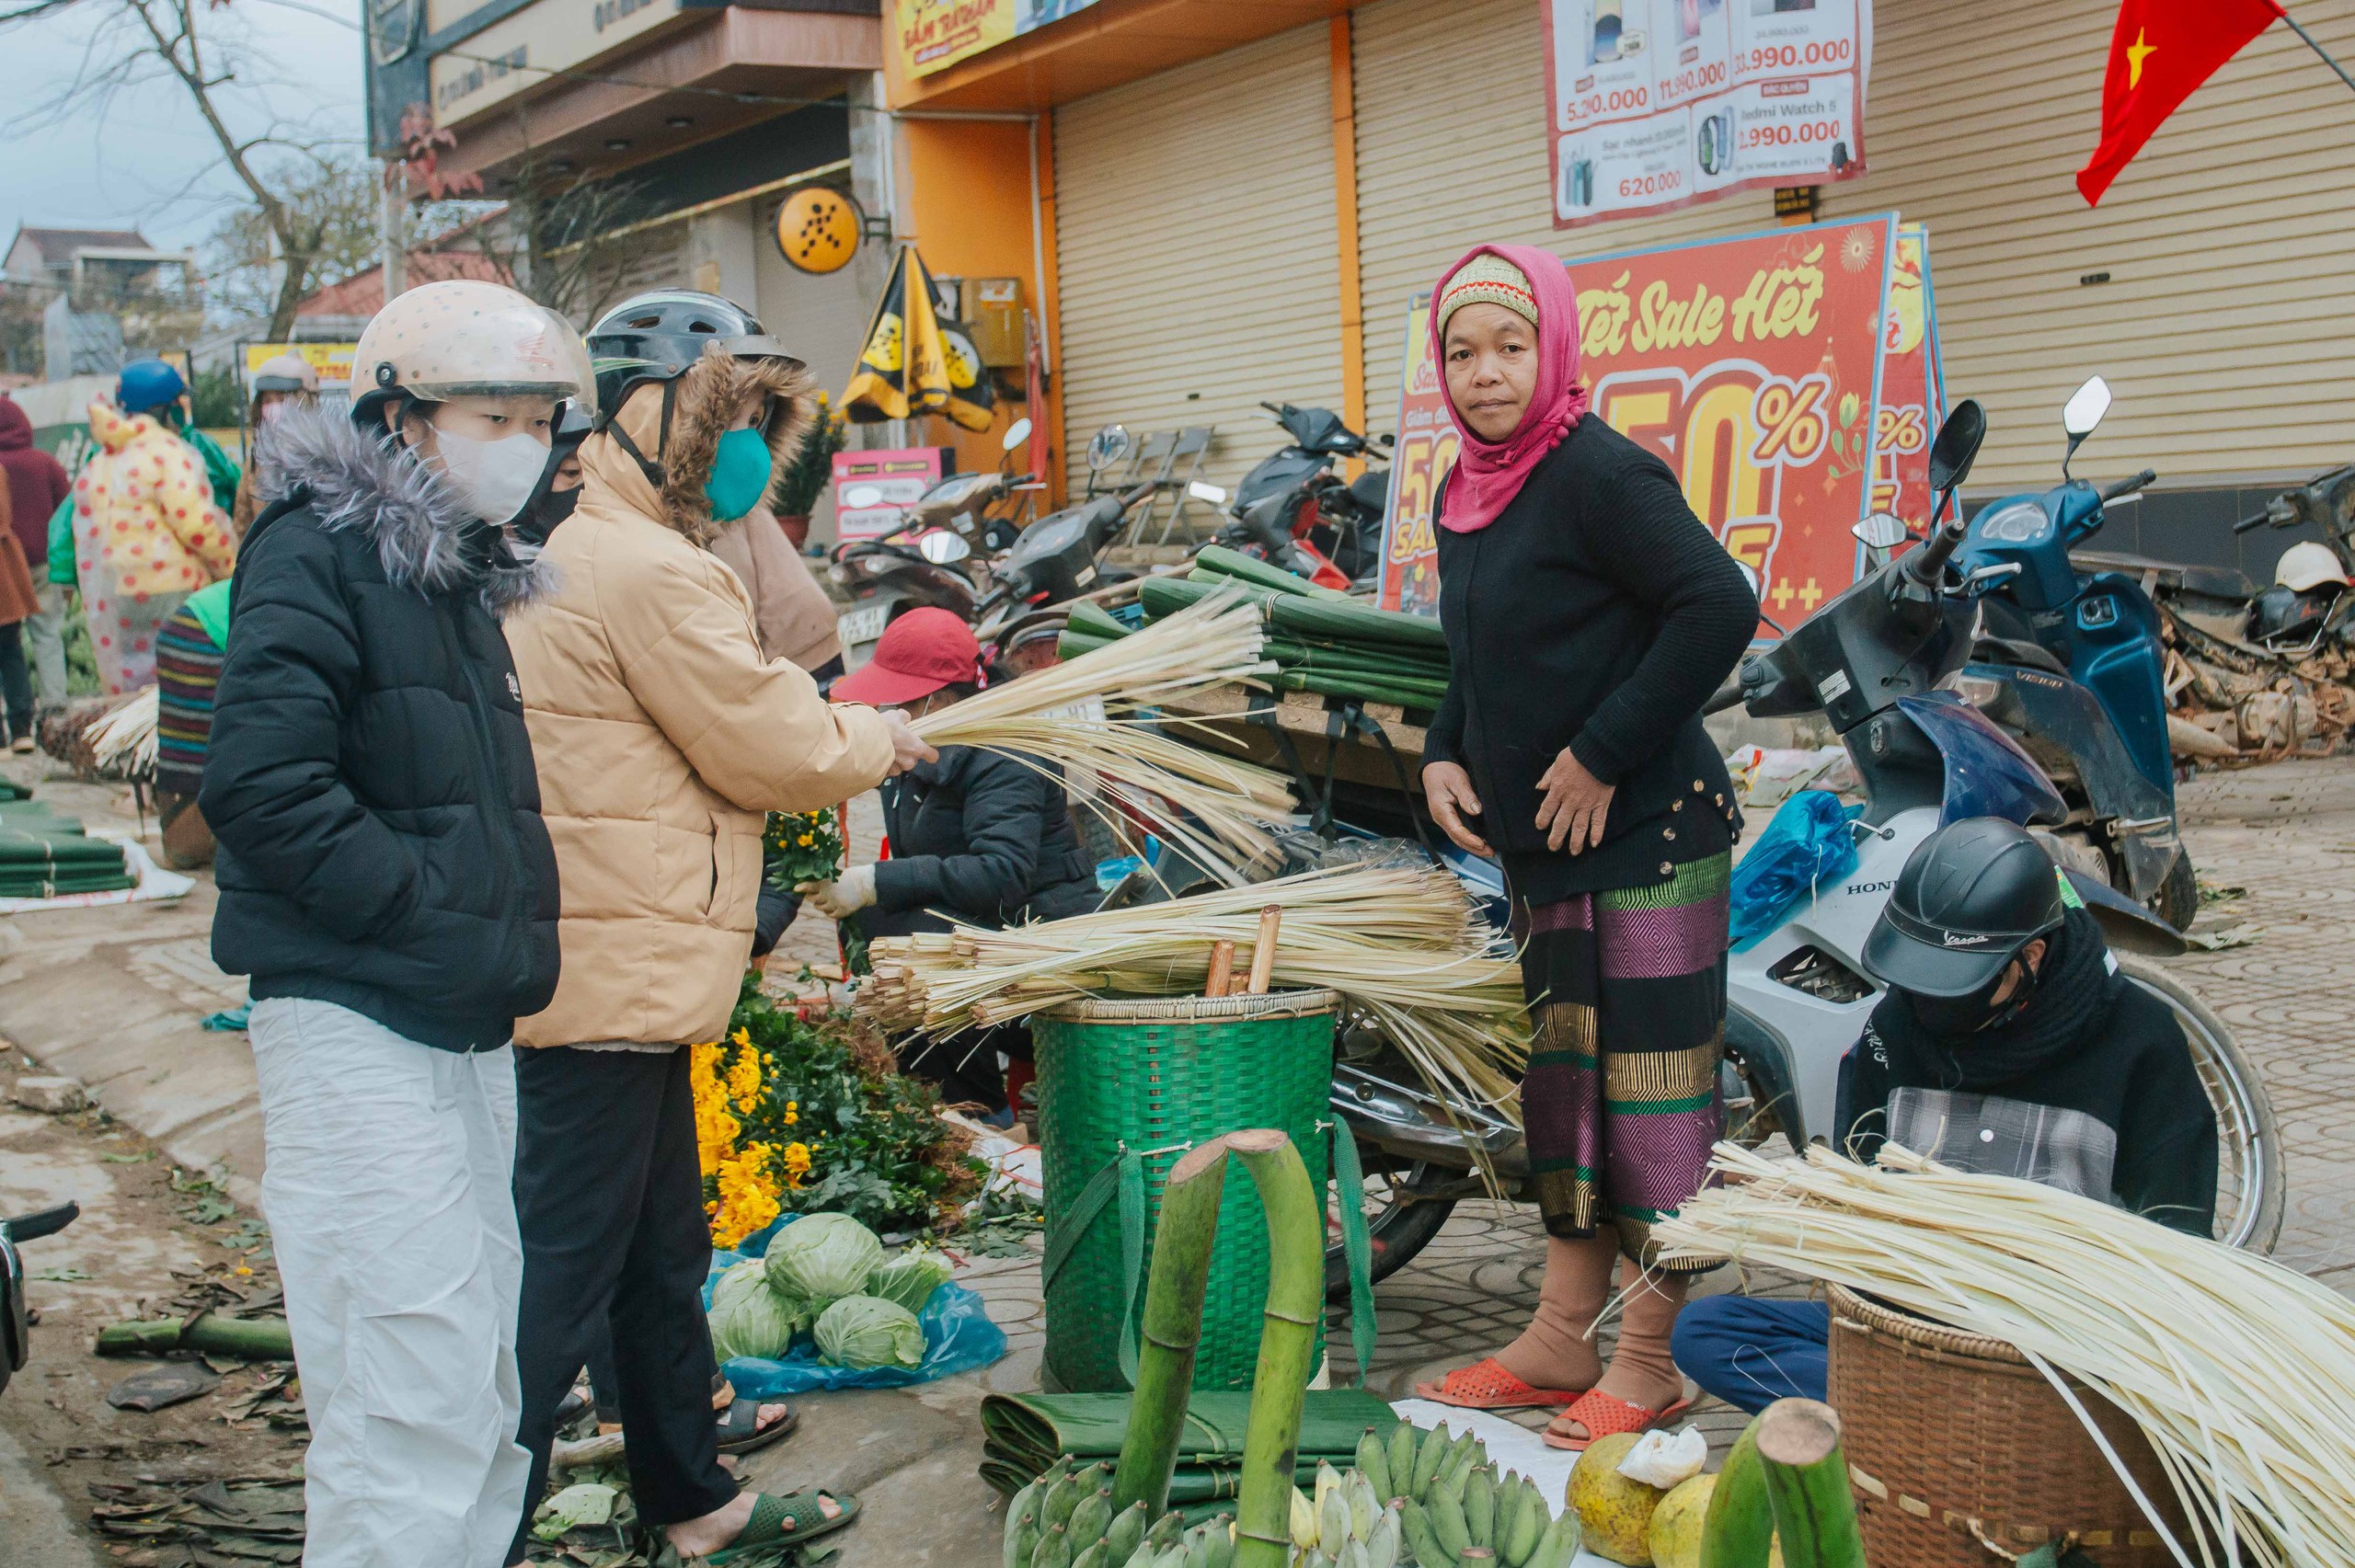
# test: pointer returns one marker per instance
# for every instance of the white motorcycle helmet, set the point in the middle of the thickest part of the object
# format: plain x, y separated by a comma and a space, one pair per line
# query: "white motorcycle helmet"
2306, 567
464, 339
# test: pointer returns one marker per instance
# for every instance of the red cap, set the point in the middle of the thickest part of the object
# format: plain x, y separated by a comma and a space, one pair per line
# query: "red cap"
918, 653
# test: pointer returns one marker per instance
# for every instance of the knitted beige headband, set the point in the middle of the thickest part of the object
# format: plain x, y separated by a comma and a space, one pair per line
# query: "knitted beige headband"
1489, 280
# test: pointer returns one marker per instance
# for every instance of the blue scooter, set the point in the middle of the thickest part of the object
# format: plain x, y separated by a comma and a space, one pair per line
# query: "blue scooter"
2071, 666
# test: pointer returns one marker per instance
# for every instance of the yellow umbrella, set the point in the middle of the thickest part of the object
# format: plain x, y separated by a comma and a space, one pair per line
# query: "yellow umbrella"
915, 362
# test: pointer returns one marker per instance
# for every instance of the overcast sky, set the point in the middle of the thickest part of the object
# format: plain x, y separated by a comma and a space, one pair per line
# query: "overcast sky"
147, 161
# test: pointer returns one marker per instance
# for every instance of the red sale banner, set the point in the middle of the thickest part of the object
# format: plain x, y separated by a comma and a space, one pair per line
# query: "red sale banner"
1912, 395
1752, 366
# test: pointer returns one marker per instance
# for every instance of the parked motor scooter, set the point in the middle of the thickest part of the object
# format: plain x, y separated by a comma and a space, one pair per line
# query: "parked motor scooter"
935, 556
2072, 665
1292, 510
1878, 661
15, 1316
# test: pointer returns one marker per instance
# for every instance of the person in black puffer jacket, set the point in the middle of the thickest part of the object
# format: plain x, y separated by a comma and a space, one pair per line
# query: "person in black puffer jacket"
977, 837
388, 882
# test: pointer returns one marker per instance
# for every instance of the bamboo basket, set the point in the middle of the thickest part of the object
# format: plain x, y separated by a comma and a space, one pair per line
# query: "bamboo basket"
1955, 1440
1150, 1078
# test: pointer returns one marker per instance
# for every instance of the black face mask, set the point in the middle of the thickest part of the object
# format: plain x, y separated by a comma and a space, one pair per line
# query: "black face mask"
1956, 1017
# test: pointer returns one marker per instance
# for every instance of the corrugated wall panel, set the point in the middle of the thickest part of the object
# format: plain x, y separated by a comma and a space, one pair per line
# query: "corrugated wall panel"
1197, 259
2221, 328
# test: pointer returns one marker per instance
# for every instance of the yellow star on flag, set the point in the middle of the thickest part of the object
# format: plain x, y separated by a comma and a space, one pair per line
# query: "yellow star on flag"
2136, 53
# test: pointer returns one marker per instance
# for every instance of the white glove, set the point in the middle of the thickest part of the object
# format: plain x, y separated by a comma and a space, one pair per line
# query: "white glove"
840, 901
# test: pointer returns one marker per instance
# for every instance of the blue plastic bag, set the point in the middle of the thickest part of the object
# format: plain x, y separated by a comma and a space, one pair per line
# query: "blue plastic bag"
1807, 848
957, 1337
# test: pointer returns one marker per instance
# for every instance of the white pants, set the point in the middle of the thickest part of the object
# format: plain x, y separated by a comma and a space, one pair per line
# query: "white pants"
389, 1196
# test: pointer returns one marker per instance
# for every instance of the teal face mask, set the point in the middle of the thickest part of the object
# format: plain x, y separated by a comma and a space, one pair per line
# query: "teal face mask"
739, 475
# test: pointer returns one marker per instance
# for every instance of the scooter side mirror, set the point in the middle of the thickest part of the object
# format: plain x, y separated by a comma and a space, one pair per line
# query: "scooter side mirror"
943, 549
1957, 447
1016, 434
2082, 415
1882, 531
1110, 444
1213, 493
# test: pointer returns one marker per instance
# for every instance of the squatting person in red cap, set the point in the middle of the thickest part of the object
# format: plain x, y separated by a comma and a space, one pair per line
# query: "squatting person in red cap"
978, 836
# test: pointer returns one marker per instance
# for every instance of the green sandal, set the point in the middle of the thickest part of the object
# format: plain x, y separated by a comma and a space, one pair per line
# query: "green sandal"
776, 1521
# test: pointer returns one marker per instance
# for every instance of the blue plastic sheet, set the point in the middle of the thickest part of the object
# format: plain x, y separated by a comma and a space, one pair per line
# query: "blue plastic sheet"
1807, 848
957, 1337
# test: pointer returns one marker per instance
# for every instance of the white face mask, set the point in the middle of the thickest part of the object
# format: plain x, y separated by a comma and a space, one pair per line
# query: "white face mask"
495, 478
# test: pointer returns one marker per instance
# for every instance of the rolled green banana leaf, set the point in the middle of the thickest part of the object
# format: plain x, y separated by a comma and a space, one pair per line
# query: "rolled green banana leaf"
1023, 1433
1405, 692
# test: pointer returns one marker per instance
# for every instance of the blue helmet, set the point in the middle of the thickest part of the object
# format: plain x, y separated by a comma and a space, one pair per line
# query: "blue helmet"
147, 383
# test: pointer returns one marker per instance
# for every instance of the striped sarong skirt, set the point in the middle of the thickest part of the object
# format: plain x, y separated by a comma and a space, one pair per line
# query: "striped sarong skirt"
188, 669
1621, 1102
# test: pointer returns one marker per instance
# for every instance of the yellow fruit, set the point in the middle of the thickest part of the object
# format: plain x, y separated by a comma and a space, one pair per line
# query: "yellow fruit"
1674, 1534
1615, 1512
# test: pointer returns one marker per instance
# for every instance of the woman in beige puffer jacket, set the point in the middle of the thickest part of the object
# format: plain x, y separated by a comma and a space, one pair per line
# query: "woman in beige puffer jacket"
662, 737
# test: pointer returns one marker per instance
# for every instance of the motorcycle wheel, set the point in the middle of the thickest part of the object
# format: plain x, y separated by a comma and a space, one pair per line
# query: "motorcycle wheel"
2251, 1190
2178, 900
1401, 1217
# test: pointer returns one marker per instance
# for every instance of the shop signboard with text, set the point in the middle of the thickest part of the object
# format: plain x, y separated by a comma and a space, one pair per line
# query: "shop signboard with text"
1655, 104
1912, 395
932, 35
1751, 366
874, 489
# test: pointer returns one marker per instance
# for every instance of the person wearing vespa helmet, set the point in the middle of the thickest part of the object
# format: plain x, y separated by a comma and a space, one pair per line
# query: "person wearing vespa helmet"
147, 531
2007, 1044
386, 880
281, 383
664, 737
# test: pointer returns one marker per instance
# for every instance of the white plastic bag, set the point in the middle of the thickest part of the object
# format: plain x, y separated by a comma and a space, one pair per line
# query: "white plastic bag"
1661, 1459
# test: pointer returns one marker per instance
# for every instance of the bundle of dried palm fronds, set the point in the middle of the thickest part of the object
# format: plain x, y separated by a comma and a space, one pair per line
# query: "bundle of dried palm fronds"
1403, 944
2241, 1373
1088, 715
122, 742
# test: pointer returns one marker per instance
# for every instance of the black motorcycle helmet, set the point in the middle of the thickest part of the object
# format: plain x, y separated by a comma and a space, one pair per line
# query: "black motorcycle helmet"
1969, 899
659, 335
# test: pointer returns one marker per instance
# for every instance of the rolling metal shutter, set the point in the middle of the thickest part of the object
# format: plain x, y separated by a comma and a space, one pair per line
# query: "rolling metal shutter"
2221, 327
1197, 260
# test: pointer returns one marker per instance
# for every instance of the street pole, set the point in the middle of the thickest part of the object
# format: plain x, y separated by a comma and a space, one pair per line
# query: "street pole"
2317, 47
391, 229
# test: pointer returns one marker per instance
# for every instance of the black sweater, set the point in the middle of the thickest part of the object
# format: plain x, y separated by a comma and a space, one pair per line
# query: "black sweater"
981, 837
1598, 613
2090, 1042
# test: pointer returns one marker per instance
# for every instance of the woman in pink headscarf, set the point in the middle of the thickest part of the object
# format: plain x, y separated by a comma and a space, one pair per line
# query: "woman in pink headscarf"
1590, 615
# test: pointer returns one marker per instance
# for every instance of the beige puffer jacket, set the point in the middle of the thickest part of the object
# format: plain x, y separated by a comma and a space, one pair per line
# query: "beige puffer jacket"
661, 735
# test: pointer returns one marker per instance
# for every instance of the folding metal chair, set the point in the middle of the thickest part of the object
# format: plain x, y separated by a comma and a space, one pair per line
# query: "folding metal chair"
1193, 445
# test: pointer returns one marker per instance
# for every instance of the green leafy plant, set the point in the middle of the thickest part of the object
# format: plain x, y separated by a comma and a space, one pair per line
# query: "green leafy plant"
877, 1148
812, 469
802, 846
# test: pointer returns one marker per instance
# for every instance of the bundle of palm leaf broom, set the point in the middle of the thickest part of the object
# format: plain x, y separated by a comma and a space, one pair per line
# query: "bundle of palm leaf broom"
1404, 946
1320, 641
1095, 716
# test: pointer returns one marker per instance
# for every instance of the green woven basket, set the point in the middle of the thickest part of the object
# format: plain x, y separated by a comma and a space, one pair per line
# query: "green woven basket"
1125, 1088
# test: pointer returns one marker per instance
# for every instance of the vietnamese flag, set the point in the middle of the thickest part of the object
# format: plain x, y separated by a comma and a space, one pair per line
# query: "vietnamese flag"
2161, 52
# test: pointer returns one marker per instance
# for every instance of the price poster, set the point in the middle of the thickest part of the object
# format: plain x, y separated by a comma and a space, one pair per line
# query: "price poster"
1751, 366
1655, 104
1913, 394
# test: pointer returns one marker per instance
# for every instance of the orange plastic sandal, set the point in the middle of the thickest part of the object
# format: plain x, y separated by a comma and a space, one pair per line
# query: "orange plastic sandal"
1486, 1385
1603, 1414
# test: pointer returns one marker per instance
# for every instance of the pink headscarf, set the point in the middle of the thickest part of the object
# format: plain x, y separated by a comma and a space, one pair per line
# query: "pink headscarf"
1489, 474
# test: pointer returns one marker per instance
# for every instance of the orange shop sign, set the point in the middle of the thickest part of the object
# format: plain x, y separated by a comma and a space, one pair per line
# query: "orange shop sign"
1751, 366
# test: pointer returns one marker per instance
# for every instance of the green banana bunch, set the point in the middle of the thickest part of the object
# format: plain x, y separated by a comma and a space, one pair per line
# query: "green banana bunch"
1436, 1502
1064, 1519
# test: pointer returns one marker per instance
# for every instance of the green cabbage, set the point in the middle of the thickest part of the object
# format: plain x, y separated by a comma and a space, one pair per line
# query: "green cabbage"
859, 1332
749, 1318
909, 1278
821, 1258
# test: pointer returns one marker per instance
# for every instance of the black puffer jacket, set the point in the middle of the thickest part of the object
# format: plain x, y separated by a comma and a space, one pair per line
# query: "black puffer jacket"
981, 837
370, 778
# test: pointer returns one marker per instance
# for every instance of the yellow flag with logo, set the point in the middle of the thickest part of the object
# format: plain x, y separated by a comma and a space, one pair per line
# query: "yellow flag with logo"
916, 361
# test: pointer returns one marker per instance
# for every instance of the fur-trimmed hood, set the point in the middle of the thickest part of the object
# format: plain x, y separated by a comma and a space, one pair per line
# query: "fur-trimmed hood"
703, 406
424, 536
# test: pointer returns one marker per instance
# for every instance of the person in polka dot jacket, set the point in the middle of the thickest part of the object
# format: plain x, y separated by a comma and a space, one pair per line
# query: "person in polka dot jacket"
147, 533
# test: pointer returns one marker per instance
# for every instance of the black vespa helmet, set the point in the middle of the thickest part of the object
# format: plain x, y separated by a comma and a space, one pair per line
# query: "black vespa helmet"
1969, 899
659, 335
